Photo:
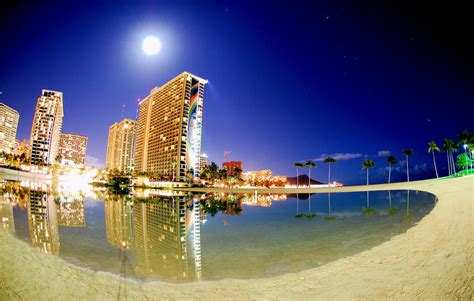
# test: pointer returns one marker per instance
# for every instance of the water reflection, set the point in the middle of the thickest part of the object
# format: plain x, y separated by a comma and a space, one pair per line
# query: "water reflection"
43, 222
167, 235
178, 236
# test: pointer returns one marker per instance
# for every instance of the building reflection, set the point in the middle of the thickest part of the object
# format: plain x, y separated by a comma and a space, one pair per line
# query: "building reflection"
6, 214
119, 221
71, 212
263, 200
43, 223
168, 238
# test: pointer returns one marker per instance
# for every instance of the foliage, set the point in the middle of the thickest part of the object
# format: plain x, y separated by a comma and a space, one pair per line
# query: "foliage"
432, 146
392, 211
391, 160
408, 216
407, 152
329, 160
463, 161
368, 211
368, 164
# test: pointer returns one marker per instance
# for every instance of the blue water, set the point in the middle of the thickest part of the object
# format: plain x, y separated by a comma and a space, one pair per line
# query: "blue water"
201, 237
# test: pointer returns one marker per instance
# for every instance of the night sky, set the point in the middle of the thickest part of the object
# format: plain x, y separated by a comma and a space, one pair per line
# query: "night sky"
287, 82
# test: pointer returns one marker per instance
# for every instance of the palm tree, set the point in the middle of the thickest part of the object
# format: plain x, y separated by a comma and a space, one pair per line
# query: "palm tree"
447, 148
237, 172
310, 165
298, 165
329, 160
366, 165
407, 152
391, 160
432, 147
453, 149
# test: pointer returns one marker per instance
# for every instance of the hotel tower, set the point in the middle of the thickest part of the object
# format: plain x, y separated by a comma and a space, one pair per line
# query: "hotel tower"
169, 129
46, 128
120, 145
8, 125
72, 149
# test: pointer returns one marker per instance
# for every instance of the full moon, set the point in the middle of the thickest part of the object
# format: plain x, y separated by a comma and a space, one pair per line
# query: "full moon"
151, 45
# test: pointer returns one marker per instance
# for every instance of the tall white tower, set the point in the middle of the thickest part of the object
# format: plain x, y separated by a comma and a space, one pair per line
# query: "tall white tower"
46, 127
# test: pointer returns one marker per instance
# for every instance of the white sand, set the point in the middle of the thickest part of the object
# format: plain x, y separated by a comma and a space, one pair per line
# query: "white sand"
433, 259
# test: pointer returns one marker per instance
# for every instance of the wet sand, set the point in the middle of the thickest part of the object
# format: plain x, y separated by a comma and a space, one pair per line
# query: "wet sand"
433, 259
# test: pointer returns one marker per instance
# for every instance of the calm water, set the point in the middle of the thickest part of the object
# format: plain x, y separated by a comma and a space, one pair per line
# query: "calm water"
185, 237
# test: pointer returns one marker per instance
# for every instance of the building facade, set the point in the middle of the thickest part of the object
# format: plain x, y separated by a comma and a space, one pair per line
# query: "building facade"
8, 125
231, 165
72, 149
203, 161
169, 129
46, 128
120, 146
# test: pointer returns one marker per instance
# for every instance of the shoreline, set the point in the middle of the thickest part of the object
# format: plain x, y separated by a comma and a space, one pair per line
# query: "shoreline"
433, 259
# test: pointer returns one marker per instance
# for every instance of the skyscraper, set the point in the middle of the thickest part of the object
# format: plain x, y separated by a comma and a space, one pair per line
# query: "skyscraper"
72, 149
8, 125
120, 145
169, 128
46, 128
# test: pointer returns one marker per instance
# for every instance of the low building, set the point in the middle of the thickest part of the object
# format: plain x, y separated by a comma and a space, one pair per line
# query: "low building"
264, 178
231, 166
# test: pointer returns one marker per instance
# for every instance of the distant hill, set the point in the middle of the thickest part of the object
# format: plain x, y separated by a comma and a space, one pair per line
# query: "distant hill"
303, 180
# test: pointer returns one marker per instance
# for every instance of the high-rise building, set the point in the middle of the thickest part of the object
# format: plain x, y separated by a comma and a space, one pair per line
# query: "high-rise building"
231, 166
120, 145
46, 128
169, 128
8, 125
203, 161
72, 149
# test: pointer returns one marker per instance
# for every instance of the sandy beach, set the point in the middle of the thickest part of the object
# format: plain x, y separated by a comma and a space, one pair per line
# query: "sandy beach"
432, 260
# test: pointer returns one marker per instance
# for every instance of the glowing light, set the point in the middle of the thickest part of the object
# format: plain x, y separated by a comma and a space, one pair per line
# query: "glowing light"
151, 45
